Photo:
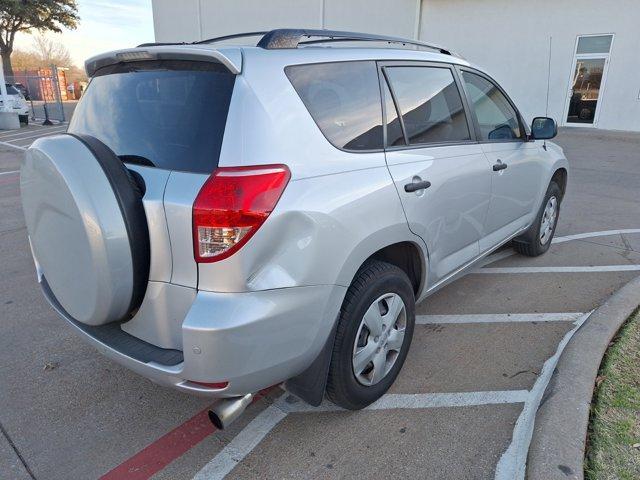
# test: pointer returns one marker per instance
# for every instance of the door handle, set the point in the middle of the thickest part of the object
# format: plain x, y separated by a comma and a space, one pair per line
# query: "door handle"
499, 166
415, 186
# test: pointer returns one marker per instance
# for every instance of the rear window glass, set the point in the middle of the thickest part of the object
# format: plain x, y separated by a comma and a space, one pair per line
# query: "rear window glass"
344, 100
167, 114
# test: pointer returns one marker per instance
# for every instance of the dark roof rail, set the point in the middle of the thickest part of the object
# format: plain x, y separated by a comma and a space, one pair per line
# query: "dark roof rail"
160, 44
208, 40
282, 38
291, 38
231, 37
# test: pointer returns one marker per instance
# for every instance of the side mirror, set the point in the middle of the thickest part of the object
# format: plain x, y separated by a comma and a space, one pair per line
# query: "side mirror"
543, 128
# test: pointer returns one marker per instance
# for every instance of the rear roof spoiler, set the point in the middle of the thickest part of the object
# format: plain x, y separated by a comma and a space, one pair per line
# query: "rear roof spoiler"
231, 58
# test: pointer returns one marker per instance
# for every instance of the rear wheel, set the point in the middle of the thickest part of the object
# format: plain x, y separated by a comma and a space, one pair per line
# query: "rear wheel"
373, 336
537, 239
24, 119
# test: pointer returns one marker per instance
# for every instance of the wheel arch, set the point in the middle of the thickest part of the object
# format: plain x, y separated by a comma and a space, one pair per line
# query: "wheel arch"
395, 244
560, 177
411, 256
408, 257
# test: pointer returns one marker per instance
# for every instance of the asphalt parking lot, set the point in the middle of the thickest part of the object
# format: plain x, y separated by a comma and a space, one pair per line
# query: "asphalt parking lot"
461, 408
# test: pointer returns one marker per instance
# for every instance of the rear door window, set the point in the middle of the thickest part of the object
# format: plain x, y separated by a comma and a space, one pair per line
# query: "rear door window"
430, 104
344, 100
169, 114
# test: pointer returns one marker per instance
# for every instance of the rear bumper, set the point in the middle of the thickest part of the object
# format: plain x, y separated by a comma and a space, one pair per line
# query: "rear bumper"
251, 340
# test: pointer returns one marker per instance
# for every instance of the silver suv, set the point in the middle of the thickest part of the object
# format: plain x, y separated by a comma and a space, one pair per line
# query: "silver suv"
221, 219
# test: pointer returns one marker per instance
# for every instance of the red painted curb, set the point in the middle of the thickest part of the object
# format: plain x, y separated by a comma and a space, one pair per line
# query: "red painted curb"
165, 450
171, 446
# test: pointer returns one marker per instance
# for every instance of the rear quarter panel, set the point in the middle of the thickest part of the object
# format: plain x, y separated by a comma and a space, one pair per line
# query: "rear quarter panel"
338, 209
321, 231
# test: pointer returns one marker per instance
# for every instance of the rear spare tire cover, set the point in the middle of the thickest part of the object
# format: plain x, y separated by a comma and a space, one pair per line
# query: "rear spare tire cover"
87, 227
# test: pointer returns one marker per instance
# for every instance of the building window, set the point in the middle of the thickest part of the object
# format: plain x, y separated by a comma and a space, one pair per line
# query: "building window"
594, 44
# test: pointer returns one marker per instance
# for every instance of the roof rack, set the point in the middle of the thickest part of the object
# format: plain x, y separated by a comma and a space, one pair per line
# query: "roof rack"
231, 37
160, 44
282, 38
292, 37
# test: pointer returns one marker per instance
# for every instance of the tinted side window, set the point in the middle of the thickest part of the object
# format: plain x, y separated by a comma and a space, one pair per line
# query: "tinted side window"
496, 117
344, 100
430, 104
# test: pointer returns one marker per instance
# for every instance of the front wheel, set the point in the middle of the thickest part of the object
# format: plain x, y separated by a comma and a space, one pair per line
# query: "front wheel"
24, 119
537, 239
373, 336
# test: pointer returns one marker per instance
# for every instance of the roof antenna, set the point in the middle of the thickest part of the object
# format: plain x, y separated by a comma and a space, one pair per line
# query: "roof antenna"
546, 112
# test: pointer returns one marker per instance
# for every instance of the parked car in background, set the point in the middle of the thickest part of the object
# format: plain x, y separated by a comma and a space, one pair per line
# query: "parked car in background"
23, 90
223, 219
17, 103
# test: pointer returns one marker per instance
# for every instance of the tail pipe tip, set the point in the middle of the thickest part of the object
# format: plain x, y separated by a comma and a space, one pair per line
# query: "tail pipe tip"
227, 410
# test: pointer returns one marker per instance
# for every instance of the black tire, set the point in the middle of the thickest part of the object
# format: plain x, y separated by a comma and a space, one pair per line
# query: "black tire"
529, 243
24, 119
373, 280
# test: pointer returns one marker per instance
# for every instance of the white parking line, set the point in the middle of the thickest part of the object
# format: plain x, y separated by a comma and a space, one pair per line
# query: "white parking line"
10, 143
497, 318
394, 401
513, 461
20, 137
604, 233
48, 133
9, 173
236, 450
13, 146
590, 269
502, 254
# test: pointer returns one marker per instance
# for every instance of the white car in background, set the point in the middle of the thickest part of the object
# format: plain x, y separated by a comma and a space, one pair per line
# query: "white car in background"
17, 103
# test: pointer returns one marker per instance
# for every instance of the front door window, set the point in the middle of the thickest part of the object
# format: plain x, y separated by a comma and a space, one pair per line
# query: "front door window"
497, 119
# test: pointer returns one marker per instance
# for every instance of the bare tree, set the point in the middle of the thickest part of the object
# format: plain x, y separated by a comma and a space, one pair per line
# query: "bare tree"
50, 52
25, 60
28, 15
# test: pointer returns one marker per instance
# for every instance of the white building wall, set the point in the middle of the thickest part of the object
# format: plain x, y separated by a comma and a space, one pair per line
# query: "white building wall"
190, 20
508, 38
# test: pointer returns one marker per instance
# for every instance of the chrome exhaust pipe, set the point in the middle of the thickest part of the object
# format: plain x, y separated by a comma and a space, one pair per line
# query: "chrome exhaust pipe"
227, 410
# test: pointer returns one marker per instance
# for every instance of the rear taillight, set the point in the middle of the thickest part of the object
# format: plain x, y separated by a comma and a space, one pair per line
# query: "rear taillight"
230, 207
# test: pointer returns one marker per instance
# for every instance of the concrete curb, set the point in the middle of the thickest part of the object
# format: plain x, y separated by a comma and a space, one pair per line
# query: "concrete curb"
558, 444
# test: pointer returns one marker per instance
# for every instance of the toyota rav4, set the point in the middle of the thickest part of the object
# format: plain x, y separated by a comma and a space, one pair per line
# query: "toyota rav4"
221, 219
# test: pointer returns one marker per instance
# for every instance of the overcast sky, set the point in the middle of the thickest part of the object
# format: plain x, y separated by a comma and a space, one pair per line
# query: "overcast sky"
104, 25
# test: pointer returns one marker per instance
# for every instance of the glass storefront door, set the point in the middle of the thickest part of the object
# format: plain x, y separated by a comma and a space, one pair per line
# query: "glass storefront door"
588, 79
583, 100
